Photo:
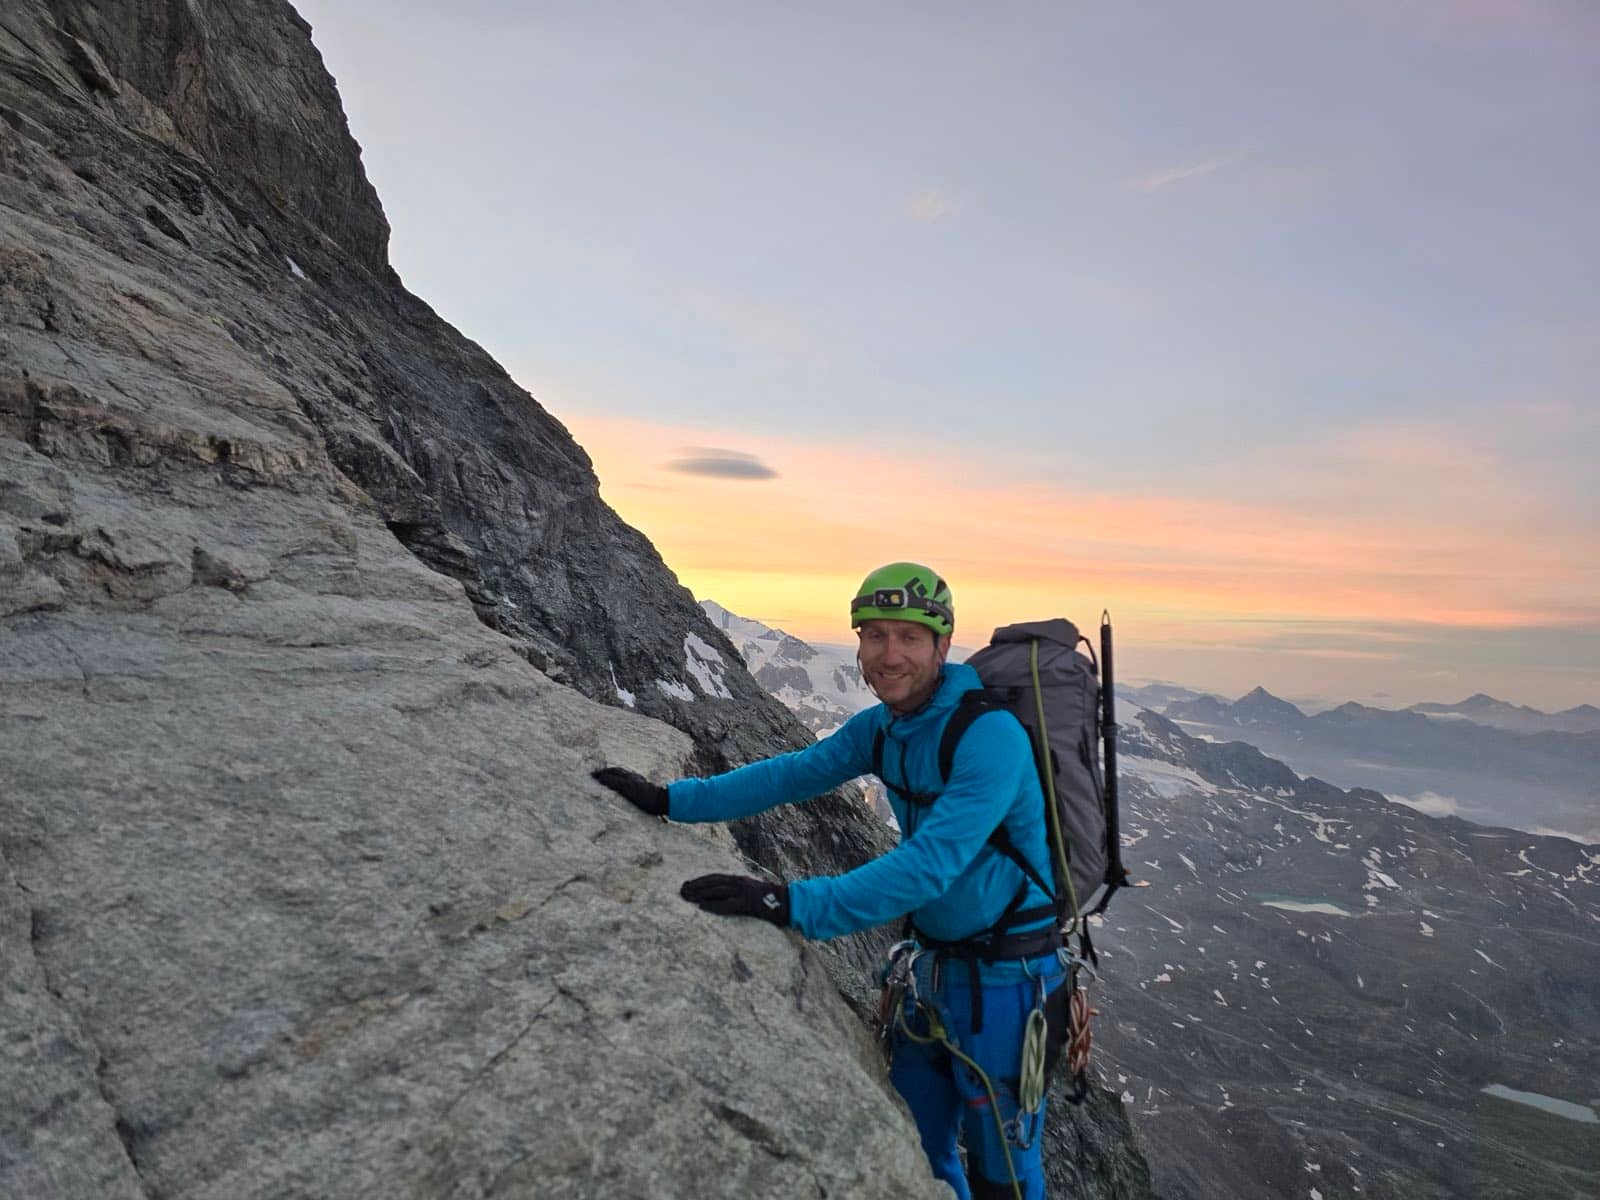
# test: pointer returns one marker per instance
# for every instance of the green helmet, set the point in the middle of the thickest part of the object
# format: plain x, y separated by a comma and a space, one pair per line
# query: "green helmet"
904, 591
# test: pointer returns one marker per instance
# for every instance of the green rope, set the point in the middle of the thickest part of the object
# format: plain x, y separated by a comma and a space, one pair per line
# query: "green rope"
937, 1033
1031, 1087
1063, 868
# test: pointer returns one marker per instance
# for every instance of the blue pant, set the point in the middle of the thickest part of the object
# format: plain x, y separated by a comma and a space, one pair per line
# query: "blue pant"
948, 1100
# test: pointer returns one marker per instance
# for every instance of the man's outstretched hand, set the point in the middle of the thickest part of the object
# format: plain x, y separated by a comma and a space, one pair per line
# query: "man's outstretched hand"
739, 896
635, 789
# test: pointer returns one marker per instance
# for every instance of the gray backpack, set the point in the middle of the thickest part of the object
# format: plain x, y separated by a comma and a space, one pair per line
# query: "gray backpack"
1064, 701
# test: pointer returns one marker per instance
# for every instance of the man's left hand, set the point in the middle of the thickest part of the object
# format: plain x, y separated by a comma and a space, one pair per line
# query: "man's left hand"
739, 896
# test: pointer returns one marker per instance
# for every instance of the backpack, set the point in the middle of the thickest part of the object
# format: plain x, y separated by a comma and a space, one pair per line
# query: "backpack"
1034, 671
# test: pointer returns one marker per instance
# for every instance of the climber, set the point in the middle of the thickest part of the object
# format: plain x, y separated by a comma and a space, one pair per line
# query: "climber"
983, 950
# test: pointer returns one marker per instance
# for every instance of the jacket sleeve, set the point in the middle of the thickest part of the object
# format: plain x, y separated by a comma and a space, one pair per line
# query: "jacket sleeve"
984, 780
782, 779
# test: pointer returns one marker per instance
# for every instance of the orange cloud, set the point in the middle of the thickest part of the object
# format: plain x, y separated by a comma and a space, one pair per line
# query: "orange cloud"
789, 550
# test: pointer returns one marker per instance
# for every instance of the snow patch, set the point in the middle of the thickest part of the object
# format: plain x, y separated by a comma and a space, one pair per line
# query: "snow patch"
1167, 780
1308, 906
705, 666
1166, 918
294, 268
623, 694
675, 689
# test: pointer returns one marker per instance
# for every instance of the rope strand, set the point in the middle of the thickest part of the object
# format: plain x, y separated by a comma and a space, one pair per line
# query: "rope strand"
937, 1034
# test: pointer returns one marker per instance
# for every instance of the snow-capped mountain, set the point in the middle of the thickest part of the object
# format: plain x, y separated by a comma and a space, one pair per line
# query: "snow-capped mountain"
820, 683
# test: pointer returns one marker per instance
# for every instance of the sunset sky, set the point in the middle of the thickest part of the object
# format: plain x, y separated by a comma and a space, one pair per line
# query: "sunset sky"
1274, 328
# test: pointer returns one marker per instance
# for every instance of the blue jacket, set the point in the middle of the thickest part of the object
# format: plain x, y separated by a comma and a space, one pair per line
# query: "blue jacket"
943, 871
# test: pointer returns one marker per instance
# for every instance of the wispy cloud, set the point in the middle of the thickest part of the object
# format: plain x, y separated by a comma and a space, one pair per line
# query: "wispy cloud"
720, 464
1158, 180
1431, 803
932, 205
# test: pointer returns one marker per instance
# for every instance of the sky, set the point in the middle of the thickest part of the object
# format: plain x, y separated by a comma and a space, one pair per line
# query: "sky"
1274, 329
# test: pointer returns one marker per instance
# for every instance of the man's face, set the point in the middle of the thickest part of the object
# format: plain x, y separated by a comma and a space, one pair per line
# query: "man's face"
901, 661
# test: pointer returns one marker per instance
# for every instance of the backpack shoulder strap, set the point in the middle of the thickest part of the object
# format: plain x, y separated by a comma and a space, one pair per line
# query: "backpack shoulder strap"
972, 705
1001, 841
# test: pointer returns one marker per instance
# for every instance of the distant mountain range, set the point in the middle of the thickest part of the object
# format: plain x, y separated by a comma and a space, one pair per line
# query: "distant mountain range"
1486, 710
1481, 709
1440, 758
1156, 696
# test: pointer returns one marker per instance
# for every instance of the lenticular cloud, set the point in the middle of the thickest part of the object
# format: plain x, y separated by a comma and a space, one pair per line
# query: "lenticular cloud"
720, 464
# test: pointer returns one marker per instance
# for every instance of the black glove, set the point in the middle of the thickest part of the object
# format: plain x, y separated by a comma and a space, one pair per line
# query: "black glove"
739, 896
638, 791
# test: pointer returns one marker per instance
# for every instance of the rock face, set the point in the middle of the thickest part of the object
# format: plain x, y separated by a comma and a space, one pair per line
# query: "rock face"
304, 898
311, 625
